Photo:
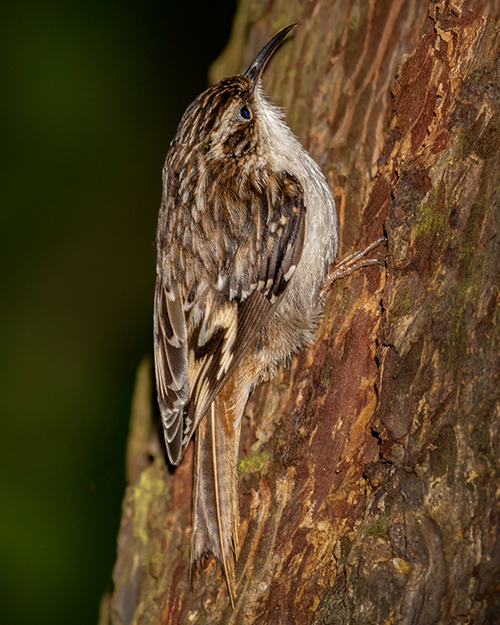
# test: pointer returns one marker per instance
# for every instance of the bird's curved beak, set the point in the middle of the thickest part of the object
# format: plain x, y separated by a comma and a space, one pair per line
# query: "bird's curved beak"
257, 66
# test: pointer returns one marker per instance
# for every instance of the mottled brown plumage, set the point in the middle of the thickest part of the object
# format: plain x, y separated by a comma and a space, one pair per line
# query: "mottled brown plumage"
246, 233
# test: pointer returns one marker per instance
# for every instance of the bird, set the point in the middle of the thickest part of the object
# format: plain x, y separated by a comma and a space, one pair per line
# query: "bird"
247, 232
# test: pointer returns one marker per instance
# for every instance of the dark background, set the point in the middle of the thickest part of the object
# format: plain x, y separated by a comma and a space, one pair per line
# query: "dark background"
91, 95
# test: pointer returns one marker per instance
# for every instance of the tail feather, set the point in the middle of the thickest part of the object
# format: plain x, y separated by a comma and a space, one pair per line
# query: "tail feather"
215, 498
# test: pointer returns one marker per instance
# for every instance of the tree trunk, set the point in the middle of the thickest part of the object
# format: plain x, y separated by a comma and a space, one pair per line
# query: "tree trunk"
369, 469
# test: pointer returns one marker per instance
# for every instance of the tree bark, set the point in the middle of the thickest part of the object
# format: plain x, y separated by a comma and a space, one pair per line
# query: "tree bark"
369, 468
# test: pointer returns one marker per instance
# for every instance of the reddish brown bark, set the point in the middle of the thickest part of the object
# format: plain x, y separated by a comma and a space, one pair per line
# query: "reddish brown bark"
369, 469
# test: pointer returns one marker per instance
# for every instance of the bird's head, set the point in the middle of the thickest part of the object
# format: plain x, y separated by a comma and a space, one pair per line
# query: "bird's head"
231, 118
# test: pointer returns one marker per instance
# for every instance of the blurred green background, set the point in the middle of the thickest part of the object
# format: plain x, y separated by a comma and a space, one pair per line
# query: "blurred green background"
91, 96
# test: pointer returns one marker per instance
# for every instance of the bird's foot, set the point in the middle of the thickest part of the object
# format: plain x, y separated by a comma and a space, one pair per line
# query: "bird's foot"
351, 263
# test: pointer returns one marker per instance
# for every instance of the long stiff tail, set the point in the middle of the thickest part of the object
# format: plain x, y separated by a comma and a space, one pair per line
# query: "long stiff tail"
215, 495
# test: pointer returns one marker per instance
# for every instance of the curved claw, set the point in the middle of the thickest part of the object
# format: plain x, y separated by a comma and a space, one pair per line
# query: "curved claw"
351, 263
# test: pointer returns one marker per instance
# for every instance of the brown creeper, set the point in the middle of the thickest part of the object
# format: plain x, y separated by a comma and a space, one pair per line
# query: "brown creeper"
247, 231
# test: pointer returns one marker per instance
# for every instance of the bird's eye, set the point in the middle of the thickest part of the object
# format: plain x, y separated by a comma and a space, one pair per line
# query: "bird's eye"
244, 113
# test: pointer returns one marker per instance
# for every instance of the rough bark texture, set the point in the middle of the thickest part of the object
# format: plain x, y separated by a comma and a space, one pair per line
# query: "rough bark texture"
369, 488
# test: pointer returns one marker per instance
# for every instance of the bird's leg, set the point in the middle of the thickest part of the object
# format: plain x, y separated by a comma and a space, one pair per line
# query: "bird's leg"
351, 263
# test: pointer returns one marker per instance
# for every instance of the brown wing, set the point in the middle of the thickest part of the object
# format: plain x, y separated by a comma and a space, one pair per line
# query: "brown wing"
195, 354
